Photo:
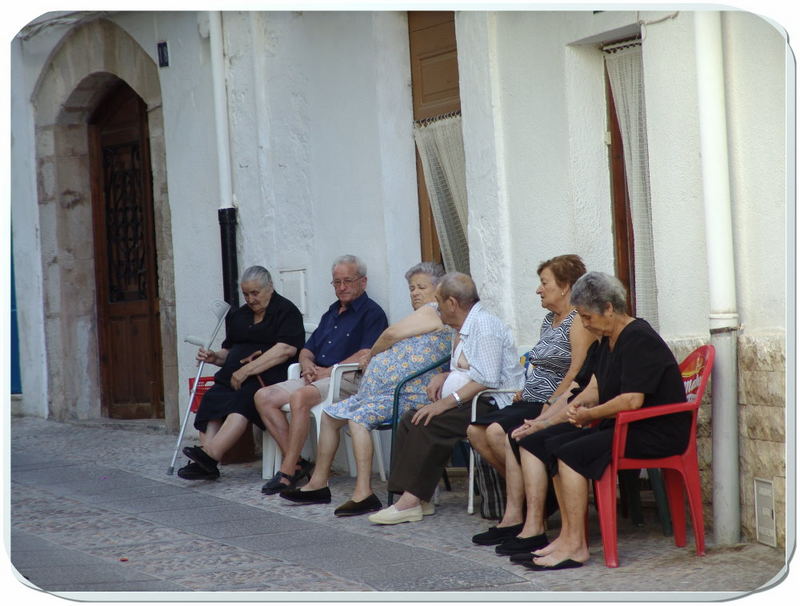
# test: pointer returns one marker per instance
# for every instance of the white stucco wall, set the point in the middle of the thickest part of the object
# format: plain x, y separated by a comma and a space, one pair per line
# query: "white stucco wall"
676, 185
755, 56
324, 160
539, 80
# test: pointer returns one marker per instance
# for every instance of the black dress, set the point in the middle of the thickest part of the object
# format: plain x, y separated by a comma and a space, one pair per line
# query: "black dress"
282, 323
640, 363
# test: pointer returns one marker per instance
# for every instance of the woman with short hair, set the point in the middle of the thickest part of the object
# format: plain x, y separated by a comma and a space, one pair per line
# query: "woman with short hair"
263, 338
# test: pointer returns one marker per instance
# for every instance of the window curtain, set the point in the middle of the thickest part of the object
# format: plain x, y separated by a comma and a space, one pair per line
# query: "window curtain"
626, 76
441, 150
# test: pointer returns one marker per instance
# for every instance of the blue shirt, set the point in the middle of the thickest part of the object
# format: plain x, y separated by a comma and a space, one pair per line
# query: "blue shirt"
340, 335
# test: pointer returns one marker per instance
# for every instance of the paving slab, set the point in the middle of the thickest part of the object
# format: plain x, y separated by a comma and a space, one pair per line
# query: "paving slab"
84, 529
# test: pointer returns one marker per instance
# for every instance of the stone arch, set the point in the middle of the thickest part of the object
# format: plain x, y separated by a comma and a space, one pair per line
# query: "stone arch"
85, 65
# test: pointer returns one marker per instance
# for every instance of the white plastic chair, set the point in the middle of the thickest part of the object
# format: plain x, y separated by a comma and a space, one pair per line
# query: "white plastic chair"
471, 485
271, 454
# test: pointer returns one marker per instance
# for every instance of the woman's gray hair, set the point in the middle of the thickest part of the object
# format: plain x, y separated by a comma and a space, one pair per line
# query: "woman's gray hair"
434, 270
595, 290
459, 286
258, 274
361, 267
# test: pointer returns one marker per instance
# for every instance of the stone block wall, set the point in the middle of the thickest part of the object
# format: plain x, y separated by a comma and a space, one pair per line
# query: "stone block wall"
762, 426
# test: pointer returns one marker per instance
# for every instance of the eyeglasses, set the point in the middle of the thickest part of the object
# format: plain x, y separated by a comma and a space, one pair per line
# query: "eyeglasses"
345, 282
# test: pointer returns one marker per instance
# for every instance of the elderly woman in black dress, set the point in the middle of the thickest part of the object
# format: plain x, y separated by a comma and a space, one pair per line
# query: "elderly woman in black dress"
633, 368
263, 338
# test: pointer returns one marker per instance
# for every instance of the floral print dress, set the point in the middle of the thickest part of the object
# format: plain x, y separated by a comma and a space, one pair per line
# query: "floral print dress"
372, 405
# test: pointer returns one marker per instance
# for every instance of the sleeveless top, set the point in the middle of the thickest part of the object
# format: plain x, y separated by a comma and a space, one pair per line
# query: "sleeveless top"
548, 360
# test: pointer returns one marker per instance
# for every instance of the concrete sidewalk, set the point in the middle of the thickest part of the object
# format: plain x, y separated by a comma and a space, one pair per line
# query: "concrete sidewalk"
93, 511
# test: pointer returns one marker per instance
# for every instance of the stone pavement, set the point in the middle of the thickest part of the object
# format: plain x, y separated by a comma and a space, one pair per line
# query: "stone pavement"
93, 512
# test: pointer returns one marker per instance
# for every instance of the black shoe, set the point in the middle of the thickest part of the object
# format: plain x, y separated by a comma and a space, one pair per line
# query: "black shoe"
520, 558
275, 485
495, 535
193, 471
357, 508
520, 545
199, 456
306, 467
307, 497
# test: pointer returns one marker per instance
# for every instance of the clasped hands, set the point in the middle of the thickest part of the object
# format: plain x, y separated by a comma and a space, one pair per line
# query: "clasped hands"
578, 415
311, 372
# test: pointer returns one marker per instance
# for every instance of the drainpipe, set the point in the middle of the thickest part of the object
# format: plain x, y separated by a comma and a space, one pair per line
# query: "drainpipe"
227, 211
723, 316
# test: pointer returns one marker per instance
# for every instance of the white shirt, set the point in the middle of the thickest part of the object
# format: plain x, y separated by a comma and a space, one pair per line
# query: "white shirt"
492, 355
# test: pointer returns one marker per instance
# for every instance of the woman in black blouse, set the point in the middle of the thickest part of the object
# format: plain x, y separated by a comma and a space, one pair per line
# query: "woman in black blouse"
263, 338
633, 368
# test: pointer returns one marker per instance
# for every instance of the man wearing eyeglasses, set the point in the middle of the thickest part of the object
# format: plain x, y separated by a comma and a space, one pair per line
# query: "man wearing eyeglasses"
345, 333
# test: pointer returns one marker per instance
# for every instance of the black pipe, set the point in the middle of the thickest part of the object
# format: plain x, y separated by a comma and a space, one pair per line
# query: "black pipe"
230, 263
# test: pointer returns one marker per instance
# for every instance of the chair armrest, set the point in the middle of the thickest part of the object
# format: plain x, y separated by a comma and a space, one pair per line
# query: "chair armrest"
338, 370
486, 391
294, 370
626, 417
629, 416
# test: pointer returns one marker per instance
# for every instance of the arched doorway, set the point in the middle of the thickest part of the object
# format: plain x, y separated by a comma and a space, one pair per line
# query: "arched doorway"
126, 273
87, 66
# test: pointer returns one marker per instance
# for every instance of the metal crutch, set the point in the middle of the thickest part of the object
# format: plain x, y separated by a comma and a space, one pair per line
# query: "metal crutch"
220, 309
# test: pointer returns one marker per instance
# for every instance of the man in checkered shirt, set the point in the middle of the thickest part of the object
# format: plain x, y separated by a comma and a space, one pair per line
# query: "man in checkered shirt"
484, 356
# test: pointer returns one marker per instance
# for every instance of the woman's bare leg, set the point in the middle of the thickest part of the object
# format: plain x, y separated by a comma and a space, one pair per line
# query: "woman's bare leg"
225, 437
326, 451
535, 478
515, 491
362, 451
573, 501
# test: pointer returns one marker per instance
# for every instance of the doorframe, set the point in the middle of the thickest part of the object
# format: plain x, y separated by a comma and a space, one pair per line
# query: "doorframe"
69, 86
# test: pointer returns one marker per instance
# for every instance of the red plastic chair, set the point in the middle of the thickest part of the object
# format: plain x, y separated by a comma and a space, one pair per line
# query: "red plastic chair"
202, 387
679, 470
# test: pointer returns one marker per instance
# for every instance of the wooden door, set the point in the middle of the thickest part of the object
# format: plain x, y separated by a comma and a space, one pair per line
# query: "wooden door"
125, 258
435, 92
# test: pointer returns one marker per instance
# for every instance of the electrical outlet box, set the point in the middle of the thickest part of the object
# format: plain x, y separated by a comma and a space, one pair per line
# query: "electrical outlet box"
292, 285
765, 512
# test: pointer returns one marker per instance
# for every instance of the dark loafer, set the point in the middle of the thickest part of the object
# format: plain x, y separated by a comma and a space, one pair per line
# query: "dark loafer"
307, 497
521, 545
522, 557
193, 471
357, 508
306, 467
564, 564
199, 456
495, 535
275, 485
